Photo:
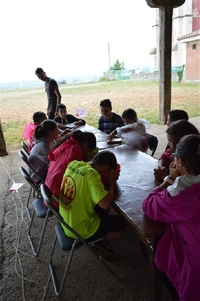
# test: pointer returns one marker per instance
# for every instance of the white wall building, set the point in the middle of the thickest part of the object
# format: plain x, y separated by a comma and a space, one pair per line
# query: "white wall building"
186, 25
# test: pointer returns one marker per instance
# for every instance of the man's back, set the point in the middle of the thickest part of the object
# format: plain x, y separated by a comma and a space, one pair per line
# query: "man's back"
81, 191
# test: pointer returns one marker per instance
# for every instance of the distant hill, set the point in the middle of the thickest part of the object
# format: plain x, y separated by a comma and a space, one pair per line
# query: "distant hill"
21, 85
37, 83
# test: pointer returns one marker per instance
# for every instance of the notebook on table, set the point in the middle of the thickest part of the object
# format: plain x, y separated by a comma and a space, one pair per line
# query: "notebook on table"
70, 125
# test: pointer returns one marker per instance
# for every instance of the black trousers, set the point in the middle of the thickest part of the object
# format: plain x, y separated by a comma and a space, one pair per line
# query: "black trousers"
51, 115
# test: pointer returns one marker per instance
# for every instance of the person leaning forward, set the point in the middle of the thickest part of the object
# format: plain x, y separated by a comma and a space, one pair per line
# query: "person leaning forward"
52, 90
82, 192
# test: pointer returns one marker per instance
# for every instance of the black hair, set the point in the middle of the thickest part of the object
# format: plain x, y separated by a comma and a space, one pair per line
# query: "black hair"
130, 114
37, 116
179, 129
105, 158
106, 103
175, 115
61, 106
80, 137
188, 149
45, 128
39, 70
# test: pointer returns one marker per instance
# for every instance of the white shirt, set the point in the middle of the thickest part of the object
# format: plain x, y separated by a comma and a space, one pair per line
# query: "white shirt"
182, 183
133, 134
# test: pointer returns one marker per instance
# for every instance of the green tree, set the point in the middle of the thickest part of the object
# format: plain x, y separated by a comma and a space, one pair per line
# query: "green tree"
117, 66
180, 73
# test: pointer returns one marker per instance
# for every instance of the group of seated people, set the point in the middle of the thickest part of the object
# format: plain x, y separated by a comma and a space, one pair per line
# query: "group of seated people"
72, 166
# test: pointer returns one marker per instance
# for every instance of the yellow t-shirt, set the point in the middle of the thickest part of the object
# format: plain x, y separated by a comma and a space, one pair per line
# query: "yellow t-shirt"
81, 190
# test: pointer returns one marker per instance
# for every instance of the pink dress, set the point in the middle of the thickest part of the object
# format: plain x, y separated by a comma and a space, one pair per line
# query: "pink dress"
178, 251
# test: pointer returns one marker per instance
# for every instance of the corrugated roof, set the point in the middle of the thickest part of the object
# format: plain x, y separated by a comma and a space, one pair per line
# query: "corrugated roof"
190, 35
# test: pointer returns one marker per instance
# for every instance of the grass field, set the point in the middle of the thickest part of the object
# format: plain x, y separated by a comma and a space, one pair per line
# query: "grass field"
18, 106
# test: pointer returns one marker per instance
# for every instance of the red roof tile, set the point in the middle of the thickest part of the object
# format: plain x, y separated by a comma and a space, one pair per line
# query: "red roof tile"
190, 35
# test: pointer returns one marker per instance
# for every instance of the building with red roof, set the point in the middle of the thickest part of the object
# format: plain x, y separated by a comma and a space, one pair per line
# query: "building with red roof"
185, 41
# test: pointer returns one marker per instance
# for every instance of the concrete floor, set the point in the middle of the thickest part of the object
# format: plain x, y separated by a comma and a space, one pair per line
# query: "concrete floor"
24, 277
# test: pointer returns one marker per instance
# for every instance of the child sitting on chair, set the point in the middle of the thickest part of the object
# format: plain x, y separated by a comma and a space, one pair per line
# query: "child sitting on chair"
176, 202
175, 115
174, 132
62, 119
109, 120
76, 145
38, 118
134, 131
81, 191
45, 134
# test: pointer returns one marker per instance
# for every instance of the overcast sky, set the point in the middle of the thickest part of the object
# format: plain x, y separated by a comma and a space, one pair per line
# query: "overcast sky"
69, 37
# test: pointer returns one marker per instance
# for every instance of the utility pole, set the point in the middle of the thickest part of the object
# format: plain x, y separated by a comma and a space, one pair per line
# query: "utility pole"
109, 55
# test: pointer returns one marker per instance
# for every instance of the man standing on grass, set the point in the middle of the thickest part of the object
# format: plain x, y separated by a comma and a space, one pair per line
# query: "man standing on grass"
52, 90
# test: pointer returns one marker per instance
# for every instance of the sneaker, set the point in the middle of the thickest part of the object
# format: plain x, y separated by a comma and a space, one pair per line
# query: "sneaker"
106, 253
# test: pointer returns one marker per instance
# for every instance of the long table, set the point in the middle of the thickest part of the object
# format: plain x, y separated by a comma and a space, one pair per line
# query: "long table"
134, 184
136, 181
101, 137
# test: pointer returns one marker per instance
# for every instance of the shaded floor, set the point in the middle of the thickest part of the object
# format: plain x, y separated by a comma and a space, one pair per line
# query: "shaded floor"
24, 277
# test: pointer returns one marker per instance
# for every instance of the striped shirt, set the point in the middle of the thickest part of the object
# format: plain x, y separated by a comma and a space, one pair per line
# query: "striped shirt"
108, 125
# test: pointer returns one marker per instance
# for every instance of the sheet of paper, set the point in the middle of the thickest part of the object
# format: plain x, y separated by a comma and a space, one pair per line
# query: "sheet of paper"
15, 187
80, 113
70, 125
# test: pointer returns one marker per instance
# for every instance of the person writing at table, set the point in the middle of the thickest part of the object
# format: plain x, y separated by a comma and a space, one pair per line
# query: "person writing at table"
109, 120
177, 202
133, 132
81, 191
62, 119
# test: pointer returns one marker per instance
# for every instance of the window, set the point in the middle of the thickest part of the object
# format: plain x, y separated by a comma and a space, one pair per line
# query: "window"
194, 46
